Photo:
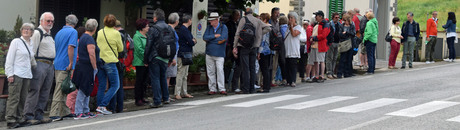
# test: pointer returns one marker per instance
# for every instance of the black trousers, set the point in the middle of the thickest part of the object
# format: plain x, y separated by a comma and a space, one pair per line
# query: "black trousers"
291, 68
302, 62
282, 62
345, 64
248, 73
141, 82
265, 63
236, 74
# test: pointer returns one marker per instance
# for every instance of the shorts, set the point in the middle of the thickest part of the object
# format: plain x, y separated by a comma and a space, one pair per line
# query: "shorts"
315, 56
363, 49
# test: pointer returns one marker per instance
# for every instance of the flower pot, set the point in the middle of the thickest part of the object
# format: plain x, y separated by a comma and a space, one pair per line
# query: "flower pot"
2, 84
128, 82
195, 77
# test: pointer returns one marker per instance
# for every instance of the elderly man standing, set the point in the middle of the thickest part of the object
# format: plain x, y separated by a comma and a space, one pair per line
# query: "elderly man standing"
66, 55
247, 55
43, 74
431, 35
215, 36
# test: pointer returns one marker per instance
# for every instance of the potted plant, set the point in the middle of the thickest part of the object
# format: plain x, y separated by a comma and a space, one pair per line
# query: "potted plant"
199, 63
202, 14
129, 78
2, 80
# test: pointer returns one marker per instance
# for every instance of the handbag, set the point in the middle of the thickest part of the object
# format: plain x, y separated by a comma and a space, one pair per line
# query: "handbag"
344, 46
388, 37
120, 66
33, 63
187, 58
67, 86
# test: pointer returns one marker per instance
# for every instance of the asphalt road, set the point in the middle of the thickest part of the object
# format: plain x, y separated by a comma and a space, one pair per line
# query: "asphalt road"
425, 97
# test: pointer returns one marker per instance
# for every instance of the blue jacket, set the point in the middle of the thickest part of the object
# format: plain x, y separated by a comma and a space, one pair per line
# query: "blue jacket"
405, 30
213, 48
450, 26
185, 40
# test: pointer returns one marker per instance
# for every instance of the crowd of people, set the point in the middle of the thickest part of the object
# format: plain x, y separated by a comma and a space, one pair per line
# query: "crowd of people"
267, 50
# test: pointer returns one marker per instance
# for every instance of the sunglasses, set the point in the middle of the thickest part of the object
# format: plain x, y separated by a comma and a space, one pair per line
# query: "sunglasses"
49, 21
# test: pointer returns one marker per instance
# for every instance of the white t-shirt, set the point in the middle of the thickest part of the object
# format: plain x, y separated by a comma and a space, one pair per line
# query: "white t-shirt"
292, 44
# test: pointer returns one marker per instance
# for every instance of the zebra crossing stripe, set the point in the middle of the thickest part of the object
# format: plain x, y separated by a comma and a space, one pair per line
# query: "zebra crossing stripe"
315, 103
423, 109
214, 100
368, 105
266, 101
455, 119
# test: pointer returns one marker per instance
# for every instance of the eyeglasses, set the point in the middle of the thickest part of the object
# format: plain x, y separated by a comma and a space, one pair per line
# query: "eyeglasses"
50, 21
336, 17
27, 29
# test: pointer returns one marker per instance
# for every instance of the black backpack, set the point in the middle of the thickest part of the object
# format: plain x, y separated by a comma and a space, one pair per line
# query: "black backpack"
276, 40
330, 36
247, 34
166, 42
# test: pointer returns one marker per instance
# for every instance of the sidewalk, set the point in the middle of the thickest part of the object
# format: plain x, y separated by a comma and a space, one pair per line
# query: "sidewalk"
200, 92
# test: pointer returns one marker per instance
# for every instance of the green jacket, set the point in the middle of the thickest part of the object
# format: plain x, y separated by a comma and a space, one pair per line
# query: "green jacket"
139, 48
372, 31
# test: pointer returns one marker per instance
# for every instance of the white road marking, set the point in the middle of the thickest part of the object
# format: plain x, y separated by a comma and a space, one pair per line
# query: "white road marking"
365, 77
389, 73
423, 109
214, 100
358, 126
122, 118
315, 103
266, 101
455, 119
368, 105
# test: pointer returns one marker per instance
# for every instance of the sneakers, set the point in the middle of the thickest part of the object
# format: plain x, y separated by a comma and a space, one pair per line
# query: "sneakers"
91, 115
152, 105
403, 67
33, 122
81, 116
103, 110
12, 125
223, 92
256, 86
56, 118
320, 80
212, 93
140, 103
309, 80
69, 116
433, 62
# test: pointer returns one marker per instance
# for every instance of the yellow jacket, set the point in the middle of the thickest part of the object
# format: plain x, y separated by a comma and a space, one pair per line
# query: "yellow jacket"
114, 38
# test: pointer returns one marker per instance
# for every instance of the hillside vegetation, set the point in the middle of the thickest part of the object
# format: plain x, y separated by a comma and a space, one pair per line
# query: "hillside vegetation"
423, 7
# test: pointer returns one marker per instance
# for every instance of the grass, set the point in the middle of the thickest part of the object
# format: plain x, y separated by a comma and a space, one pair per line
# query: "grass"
421, 8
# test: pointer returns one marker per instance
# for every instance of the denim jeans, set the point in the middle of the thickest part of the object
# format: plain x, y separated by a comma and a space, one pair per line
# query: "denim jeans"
157, 71
248, 72
107, 72
82, 103
116, 104
370, 48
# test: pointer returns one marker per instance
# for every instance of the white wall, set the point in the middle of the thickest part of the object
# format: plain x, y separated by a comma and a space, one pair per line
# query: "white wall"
114, 7
197, 6
312, 6
27, 9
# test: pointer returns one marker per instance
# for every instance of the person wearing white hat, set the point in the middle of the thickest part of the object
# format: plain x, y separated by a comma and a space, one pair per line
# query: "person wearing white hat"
216, 35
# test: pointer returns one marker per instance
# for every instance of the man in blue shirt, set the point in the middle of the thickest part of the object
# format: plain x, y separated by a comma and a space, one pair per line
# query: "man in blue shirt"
66, 55
216, 37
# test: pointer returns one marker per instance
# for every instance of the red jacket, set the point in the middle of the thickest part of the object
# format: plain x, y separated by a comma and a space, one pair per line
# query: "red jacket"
356, 21
323, 30
431, 27
309, 33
